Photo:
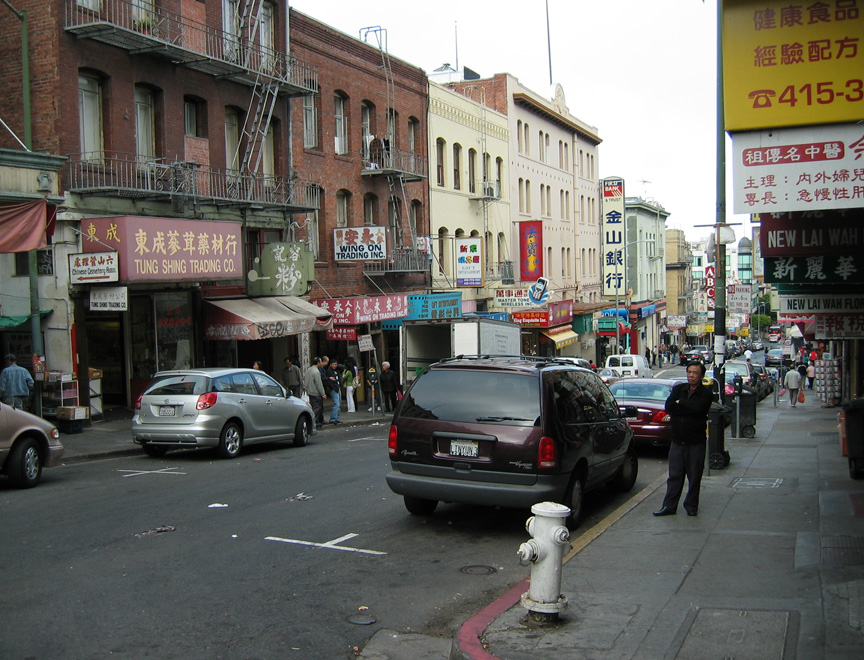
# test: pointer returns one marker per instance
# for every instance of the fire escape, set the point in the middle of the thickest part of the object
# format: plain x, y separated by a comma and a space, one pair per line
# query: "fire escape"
382, 157
232, 53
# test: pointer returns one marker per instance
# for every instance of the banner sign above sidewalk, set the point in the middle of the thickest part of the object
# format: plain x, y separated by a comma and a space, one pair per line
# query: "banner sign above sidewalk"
803, 307
830, 269
811, 233
798, 169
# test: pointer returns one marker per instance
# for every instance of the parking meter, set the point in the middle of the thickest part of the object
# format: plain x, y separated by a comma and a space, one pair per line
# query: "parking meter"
372, 376
738, 382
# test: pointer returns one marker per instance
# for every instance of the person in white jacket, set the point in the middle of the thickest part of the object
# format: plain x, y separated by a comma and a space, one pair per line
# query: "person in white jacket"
792, 382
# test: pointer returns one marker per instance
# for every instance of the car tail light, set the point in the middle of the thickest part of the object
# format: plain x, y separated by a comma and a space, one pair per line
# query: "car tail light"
138, 402
207, 400
547, 454
391, 440
637, 372
660, 417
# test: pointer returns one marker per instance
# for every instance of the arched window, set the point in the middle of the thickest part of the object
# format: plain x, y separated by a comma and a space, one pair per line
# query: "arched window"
440, 145
457, 164
472, 171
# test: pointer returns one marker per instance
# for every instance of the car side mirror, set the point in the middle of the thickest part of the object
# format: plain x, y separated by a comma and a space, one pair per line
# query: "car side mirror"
631, 411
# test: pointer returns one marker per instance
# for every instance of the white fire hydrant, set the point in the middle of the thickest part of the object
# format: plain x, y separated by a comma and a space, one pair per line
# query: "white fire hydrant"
545, 552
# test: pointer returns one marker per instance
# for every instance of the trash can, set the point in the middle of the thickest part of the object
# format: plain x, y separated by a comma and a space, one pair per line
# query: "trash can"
854, 413
718, 457
748, 412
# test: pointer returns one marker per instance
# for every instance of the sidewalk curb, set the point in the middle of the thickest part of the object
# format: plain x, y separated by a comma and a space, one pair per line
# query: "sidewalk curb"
467, 642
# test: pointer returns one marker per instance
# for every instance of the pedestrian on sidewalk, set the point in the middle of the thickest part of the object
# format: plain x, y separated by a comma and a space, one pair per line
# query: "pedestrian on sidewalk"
811, 375
314, 387
292, 379
389, 386
349, 380
15, 383
687, 406
792, 383
334, 382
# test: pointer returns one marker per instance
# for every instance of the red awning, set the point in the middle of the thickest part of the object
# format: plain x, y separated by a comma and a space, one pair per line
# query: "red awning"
263, 318
22, 226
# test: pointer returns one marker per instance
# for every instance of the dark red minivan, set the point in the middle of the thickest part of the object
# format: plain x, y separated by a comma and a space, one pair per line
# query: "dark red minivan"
508, 431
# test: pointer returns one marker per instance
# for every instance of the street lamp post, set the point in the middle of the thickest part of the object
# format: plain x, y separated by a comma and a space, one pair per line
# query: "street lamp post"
618, 288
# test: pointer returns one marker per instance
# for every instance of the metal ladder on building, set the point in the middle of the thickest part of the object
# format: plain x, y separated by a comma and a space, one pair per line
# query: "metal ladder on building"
256, 124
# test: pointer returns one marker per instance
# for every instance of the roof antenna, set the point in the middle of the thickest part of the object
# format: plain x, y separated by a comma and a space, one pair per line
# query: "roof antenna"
456, 36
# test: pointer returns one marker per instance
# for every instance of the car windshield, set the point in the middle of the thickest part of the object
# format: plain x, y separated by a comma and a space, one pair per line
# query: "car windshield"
739, 369
177, 385
474, 396
624, 389
775, 352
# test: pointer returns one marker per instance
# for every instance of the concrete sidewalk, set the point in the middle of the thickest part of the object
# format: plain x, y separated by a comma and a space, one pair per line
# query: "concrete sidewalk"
113, 434
772, 567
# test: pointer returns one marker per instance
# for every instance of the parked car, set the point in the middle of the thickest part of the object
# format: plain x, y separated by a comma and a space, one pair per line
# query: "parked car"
764, 382
744, 369
27, 444
699, 353
218, 407
508, 431
629, 365
757, 346
608, 376
651, 424
774, 357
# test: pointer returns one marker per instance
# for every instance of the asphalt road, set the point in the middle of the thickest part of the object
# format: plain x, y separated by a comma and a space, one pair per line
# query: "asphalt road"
283, 552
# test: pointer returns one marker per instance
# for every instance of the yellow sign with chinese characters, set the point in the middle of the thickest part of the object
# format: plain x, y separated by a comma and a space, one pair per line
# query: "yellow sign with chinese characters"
792, 64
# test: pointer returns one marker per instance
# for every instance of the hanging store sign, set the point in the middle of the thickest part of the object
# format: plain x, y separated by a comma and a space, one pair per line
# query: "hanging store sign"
167, 249
469, 261
556, 313
840, 326
811, 233
356, 311
806, 307
798, 169
612, 206
283, 269
791, 64
530, 250
739, 298
342, 333
828, 269
512, 298
359, 243
93, 268
109, 299
444, 305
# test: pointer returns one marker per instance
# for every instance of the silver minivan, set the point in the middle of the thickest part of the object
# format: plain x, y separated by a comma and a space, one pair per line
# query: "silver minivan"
217, 407
629, 365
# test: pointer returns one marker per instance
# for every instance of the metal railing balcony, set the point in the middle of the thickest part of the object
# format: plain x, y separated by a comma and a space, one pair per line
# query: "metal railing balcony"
139, 27
659, 294
501, 271
130, 176
411, 166
400, 260
486, 190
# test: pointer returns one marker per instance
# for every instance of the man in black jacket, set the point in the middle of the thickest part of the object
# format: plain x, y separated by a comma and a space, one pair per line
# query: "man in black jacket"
687, 406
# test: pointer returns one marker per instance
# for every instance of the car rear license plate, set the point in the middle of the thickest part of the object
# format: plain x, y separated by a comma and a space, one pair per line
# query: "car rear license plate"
166, 411
466, 448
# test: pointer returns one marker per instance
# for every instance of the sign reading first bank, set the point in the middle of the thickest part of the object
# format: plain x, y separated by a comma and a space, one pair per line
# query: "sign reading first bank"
168, 250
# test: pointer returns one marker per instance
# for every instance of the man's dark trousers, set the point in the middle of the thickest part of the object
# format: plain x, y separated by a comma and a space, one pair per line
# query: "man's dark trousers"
317, 405
689, 461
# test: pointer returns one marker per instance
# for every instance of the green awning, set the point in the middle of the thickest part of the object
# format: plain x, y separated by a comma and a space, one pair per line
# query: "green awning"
15, 322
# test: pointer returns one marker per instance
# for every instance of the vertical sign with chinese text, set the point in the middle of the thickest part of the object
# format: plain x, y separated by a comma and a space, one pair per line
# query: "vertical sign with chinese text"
530, 250
614, 272
469, 261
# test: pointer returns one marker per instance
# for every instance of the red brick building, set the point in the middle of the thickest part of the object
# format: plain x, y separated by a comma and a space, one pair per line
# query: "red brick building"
181, 111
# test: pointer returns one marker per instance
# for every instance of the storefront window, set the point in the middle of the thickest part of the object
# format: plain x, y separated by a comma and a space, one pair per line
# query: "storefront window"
143, 337
174, 330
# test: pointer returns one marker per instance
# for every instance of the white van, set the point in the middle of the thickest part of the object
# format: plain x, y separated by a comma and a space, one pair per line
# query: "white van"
629, 365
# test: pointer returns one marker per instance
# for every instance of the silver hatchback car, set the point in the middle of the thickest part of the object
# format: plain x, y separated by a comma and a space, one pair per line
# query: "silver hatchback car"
217, 407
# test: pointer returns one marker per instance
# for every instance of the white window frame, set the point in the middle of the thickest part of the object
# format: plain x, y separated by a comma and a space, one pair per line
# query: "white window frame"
340, 135
232, 140
90, 117
145, 125
310, 122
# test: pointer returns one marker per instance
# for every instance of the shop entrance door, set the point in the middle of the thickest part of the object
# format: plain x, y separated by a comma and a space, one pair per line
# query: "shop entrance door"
105, 349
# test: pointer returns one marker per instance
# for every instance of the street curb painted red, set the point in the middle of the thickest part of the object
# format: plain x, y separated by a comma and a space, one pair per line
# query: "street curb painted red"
467, 641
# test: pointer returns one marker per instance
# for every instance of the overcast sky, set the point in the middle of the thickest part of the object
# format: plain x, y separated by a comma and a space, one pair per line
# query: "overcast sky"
643, 72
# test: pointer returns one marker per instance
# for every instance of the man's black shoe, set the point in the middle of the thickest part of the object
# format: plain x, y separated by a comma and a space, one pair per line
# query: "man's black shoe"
665, 511
692, 513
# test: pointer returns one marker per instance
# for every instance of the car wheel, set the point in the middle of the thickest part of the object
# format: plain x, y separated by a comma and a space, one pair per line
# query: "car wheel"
154, 451
574, 499
301, 432
230, 440
25, 465
625, 478
420, 507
